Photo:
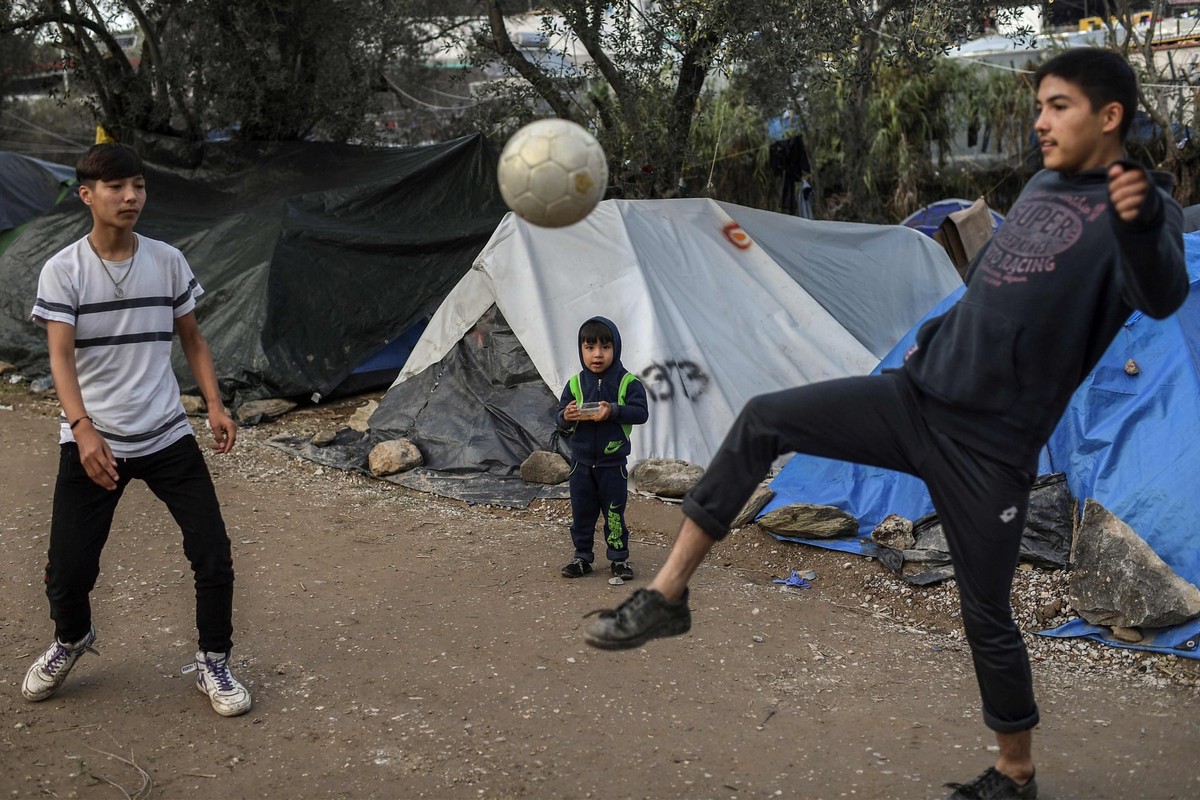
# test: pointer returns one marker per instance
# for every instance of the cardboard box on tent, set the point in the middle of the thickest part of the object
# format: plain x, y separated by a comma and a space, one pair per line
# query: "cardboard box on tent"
964, 232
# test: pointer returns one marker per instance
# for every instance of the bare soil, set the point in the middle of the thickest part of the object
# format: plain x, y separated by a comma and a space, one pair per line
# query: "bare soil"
400, 645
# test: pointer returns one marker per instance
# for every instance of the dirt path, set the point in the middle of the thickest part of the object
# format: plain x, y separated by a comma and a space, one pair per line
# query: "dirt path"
399, 645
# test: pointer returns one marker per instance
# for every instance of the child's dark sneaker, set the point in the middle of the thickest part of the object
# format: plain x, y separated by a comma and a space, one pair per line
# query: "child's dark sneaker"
994, 785
622, 570
576, 569
645, 615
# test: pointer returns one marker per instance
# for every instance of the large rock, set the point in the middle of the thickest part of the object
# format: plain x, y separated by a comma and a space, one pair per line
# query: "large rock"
813, 521
193, 405
895, 532
257, 411
358, 420
6, 367
666, 477
762, 495
396, 455
1118, 580
542, 466
323, 438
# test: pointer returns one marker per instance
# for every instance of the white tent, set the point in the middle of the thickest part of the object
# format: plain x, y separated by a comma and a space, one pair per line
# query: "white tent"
715, 303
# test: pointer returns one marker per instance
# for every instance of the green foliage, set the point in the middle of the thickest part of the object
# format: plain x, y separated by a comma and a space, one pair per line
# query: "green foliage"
729, 152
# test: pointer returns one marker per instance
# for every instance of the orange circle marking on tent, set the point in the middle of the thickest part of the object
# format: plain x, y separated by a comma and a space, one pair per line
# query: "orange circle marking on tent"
736, 236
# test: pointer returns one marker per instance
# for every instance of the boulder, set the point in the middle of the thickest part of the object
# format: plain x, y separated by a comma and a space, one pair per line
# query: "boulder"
6, 367
257, 411
358, 420
813, 521
762, 495
396, 455
895, 532
323, 438
542, 466
1118, 580
193, 405
666, 477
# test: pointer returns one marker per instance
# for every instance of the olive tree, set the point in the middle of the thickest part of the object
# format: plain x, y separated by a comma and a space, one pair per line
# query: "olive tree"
635, 72
271, 69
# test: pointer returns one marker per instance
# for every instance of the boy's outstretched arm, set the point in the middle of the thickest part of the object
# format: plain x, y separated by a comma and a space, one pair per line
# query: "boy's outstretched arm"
1149, 229
94, 452
199, 359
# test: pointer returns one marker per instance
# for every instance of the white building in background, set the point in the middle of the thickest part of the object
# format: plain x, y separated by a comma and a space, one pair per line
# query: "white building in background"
1025, 18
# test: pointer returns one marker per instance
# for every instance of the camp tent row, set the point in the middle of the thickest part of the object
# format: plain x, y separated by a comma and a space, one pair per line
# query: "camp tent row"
715, 303
315, 258
29, 187
318, 257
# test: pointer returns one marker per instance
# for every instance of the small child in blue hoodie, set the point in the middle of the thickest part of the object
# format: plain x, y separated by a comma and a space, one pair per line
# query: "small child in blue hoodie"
598, 407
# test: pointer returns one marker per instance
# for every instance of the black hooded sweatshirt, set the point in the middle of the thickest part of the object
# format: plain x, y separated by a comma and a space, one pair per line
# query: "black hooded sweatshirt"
1045, 298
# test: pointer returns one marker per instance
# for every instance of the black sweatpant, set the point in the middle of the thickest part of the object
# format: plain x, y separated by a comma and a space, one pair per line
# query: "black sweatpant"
83, 515
877, 421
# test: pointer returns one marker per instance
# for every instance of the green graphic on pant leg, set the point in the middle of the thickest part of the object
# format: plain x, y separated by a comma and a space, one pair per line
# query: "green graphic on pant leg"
615, 530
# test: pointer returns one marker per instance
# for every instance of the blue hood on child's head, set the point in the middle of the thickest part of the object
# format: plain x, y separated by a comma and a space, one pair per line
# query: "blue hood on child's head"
616, 334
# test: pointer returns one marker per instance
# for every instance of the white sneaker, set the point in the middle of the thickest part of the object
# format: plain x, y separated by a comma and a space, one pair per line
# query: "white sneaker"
228, 697
52, 666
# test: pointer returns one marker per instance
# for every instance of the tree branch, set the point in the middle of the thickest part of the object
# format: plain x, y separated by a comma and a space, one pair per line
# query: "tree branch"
537, 78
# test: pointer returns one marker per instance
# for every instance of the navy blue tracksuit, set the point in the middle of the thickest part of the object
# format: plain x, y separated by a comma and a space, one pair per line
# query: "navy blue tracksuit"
599, 450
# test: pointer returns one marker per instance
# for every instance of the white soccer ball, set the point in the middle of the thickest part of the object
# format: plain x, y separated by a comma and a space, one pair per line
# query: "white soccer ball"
552, 172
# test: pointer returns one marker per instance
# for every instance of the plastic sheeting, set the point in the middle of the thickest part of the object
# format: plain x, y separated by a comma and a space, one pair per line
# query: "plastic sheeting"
29, 187
313, 256
716, 303
482, 408
929, 219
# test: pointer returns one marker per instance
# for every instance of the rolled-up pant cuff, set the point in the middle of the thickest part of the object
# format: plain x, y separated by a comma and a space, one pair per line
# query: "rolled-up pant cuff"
1003, 726
707, 522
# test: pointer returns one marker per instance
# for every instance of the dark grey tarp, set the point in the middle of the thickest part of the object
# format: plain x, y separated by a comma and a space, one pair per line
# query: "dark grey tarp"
29, 187
1046, 540
313, 256
475, 416
483, 408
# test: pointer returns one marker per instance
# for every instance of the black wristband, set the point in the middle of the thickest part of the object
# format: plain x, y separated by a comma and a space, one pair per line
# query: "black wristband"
81, 419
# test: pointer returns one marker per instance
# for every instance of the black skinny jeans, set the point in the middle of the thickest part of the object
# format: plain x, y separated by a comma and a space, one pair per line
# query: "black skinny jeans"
982, 501
83, 515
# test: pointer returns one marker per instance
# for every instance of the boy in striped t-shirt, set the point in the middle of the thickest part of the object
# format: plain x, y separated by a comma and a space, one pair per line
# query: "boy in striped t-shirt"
111, 304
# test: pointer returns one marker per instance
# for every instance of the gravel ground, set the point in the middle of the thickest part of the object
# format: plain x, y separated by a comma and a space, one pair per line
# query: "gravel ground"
404, 645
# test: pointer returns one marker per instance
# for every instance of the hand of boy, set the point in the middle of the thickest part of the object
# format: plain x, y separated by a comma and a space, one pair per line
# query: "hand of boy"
1126, 190
224, 430
96, 457
571, 412
604, 413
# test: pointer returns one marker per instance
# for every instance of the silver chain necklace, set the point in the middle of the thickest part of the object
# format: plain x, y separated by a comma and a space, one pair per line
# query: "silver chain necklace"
116, 283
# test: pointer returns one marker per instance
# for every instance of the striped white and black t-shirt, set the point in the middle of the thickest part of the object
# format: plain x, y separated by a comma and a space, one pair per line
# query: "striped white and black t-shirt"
123, 344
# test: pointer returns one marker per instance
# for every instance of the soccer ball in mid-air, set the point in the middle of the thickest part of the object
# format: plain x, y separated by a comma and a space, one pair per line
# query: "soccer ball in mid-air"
552, 172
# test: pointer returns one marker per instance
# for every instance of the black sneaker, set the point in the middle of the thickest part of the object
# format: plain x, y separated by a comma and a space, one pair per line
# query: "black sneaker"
645, 615
994, 785
576, 569
622, 570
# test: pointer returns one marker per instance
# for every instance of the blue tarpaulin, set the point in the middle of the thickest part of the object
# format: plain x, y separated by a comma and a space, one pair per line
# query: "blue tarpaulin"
1128, 441
929, 218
